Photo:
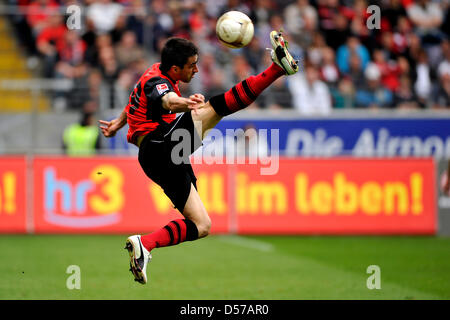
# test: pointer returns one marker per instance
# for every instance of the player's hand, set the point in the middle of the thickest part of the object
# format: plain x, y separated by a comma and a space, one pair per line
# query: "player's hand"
198, 97
196, 101
109, 128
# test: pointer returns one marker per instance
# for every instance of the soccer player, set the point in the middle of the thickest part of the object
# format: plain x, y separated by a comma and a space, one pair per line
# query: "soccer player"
151, 116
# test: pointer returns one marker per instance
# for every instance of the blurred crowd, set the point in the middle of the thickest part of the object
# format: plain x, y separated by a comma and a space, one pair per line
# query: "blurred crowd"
349, 58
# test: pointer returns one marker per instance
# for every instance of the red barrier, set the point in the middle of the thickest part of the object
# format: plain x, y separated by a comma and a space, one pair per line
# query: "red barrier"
97, 195
332, 196
12, 195
339, 196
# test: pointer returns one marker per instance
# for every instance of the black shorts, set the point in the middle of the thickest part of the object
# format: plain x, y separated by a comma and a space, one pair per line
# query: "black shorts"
165, 159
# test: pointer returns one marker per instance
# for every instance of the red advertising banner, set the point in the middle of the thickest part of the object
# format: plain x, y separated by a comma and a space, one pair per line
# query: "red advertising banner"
13, 195
338, 196
110, 195
304, 196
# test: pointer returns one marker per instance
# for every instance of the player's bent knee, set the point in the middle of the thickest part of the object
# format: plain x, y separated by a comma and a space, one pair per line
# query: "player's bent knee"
204, 227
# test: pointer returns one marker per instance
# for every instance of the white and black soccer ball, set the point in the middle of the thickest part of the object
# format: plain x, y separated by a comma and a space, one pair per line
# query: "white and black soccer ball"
234, 29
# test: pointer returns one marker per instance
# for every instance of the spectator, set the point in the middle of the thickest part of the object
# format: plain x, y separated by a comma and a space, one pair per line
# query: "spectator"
72, 66
138, 20
389, 70
207, 68
358, 24
123, 87
393, 12
50, 43
162, 22
327, 11
344, 94
427, 17
388, 45
278, 95
93, 51
253, 54
310, 95
315, 50
261, 12
110, 71
217, 85
180, 26
353, 45
400, 36
444, 65
414, 49
105, 16
422, 86
356, 72
276, 22
234, 5
39, 13
441, 96
73, 48
404, 97
300, 16
241, 70
373, 94
329, 71
82, 139
445, 26
198, 20
404, 69
127, 50
338, 36
94, 83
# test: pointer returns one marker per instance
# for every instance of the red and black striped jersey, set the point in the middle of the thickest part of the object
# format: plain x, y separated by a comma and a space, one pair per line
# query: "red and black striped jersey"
145, 112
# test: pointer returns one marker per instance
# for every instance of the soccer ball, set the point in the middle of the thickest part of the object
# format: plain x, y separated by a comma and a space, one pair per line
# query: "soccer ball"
234, 29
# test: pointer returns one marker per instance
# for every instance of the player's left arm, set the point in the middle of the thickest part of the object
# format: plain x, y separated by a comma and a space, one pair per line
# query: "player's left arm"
174, 103
110, 128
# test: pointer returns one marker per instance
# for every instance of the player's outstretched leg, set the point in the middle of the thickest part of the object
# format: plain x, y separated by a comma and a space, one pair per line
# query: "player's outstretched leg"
245, 92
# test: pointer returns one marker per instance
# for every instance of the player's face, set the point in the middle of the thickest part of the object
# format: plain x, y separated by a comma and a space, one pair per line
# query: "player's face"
189, 69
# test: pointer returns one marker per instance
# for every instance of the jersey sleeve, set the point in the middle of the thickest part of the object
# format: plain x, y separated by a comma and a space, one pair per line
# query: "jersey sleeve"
155, 89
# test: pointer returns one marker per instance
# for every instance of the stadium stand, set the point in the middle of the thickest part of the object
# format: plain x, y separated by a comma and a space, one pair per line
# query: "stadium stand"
13, 66
405, 50
403, 65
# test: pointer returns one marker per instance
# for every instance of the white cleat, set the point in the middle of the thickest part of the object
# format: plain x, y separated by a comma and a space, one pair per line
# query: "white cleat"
139, 258
280, 54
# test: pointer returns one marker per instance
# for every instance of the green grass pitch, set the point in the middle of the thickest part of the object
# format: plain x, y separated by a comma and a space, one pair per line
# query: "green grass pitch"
228, 267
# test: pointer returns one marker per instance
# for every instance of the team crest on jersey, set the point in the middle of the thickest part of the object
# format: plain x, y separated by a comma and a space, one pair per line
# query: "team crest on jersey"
163, 87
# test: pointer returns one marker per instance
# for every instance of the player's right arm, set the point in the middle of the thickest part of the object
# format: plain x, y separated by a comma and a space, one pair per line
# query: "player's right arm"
171, 101
110, 128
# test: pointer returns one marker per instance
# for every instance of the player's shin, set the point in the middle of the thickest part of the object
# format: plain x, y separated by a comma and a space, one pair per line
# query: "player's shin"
173, 233
245, 92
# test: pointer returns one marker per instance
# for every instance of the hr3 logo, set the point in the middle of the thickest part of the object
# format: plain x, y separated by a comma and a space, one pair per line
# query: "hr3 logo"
92, 202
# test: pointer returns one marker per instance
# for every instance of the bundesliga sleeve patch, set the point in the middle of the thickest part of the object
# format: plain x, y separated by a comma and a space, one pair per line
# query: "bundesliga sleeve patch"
163, 87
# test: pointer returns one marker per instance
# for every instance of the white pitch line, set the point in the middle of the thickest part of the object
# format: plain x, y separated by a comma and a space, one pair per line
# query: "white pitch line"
247, 243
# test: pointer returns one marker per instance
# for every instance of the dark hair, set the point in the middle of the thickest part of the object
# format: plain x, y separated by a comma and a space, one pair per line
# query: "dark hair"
176, 52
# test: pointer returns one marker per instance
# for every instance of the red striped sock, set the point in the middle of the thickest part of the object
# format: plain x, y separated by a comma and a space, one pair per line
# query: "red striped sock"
173, 233
245, 92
